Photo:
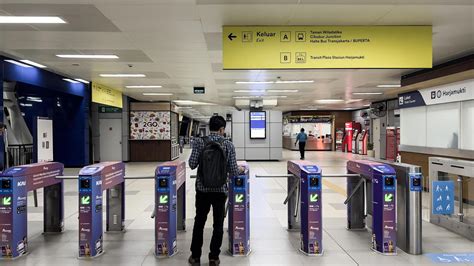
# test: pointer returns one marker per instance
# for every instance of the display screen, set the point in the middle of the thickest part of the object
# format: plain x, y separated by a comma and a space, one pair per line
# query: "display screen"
6, 184
85, 183
258, 125
162, 182
389, 181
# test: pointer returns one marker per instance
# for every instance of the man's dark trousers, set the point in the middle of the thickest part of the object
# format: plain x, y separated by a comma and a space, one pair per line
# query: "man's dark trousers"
204, 201
301, 146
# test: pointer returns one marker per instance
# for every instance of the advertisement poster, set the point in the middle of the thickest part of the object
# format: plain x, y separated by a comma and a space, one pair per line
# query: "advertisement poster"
150, 125
257, 125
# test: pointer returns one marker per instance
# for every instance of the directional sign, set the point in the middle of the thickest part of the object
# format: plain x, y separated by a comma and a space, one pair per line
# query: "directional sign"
85, 200
465, 258
6, 201
163, 199
313, 197
239, 198
442, 197
389, 197
306, 47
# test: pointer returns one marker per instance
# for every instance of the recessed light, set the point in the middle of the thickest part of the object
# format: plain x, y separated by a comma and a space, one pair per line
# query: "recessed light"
70, 80
283, 91
157, 94
29, 62
189, 102
329, 100
184, 107
82, 80
143, 86
348, 108
17, 63
254, 82
123, 75
367, 93
88, 56
31, 20
389, 86
250, 91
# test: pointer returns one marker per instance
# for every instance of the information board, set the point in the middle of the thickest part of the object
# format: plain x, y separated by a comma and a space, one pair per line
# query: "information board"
307, 47
443, 197
257, 125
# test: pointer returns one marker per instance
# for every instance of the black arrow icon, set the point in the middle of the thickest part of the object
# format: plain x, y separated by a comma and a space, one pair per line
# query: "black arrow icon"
231, 37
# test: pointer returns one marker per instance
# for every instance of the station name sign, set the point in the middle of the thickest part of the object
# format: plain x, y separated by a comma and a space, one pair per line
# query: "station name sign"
311, 47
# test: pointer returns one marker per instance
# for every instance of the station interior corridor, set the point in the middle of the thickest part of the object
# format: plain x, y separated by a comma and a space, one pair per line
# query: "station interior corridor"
271, 242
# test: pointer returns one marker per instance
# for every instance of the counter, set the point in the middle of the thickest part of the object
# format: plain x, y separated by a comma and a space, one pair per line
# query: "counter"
312, 144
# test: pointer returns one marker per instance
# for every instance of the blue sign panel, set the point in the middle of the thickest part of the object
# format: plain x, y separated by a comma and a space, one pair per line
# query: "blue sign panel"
464, 258
443, 197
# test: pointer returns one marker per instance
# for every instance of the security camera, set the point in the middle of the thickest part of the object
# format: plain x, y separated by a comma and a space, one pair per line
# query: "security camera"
130, 65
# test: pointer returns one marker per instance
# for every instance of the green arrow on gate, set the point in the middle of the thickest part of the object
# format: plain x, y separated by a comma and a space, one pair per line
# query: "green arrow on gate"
85, 200
388, 197
7, 201
239, 198
313, 197
163, 199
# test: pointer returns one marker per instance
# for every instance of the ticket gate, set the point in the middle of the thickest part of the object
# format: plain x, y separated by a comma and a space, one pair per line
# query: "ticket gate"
239, 213
15, 184
93, 180
170, 204
305, 201
375, 188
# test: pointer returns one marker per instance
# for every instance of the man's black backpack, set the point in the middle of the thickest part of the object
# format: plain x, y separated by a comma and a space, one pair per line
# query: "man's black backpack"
212, 171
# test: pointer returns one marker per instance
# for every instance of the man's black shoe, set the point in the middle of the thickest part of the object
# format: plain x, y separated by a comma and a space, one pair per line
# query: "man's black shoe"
194, 262
214, 262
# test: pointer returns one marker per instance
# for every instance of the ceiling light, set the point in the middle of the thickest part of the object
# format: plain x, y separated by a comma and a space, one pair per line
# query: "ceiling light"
354, 100
348, 108
82, 80
70, 80
389, 86
143, 87
254, 82
188, 102
31, 20
309, 108
367, 105
247, 97
250, 91
123, 75
329, 100
17, 63
157, 94
275, 96
34, 99
293, 81
283, 91
184, 107
367, 93
88, 56
29, 62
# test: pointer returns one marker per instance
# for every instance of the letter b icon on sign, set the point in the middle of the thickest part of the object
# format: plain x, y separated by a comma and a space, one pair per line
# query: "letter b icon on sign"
285, 57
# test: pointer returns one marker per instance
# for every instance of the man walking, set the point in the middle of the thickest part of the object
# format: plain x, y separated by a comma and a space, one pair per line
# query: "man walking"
215, 159
301, 138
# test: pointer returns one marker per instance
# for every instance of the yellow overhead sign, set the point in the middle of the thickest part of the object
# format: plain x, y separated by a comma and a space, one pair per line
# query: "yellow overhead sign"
300, 47
106, 95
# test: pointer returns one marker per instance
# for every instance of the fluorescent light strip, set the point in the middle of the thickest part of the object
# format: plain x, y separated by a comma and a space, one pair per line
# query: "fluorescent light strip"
274, 96
123, 75
330, 100
82, 80
184, 107
254, 82
389, 86
29, 62
188, 102
293, 81
31, 20
367, 93
143, 86
250, 91
283, 91
157, 94
70, 80
88, 56
17, 63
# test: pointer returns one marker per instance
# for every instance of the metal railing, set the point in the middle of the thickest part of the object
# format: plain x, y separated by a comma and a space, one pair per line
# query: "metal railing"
19, 155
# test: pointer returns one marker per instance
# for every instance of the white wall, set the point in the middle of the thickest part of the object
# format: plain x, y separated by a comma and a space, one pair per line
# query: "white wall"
269, 148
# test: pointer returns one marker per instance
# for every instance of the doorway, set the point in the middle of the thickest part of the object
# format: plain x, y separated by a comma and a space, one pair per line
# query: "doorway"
110, 139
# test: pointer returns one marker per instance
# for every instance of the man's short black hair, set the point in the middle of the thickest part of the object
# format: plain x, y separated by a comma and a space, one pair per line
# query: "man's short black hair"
302, 129
216, 122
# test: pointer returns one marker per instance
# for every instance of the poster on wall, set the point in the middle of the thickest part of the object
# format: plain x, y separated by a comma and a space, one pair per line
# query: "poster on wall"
150, 125
44, 137
258, 125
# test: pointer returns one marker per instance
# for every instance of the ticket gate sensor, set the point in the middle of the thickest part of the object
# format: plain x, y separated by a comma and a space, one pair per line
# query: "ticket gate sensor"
239, 213
305, 198
93, 180
376, 188
15, 183
170, 206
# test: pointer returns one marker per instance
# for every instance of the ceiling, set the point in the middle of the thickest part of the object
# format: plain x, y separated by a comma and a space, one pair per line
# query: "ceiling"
178, 44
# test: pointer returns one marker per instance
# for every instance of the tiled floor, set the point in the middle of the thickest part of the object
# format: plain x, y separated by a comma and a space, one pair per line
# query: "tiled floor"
271, 243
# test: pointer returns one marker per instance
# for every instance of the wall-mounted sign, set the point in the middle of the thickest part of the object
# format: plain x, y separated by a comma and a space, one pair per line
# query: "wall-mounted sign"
442, 197
199, 90
109, 109
150, 125
454, 92
106, 95
44, 139
301, 47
